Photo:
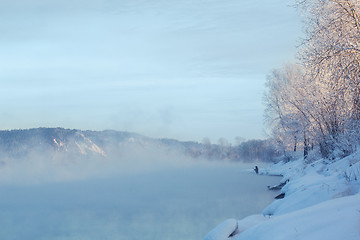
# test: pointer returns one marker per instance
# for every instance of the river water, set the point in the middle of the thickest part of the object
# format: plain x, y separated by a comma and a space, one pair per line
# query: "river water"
183, 202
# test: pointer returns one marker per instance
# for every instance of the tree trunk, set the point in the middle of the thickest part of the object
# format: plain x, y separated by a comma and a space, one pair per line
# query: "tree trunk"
306, 146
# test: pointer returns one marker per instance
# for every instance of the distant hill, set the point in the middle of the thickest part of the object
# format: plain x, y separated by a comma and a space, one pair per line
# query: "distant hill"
58, 143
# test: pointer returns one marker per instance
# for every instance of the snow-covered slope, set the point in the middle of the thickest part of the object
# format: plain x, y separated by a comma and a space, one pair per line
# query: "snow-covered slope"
322, 201
47, 141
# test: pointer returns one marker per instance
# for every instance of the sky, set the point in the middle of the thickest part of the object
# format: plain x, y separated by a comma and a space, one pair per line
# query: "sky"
183, 69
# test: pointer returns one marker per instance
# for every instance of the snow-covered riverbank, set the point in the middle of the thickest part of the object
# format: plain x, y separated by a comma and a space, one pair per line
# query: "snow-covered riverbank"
322, 201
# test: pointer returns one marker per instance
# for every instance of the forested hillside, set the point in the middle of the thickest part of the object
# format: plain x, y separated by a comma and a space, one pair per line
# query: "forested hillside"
73, 144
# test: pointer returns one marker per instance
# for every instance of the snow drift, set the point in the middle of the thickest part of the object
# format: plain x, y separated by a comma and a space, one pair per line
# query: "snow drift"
322, 201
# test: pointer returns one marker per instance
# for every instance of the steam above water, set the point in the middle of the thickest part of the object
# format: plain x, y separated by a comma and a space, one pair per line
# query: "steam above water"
37, 169
148, 199
71, 184
56, 154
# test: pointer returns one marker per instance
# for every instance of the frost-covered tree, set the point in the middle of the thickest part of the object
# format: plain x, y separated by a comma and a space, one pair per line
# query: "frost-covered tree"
331, 56
286, 109
321, 99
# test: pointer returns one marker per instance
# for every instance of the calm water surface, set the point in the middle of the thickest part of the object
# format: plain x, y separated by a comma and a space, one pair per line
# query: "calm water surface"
169, 203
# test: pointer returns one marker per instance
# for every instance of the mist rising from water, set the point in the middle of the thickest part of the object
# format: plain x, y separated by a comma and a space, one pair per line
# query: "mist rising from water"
132, 199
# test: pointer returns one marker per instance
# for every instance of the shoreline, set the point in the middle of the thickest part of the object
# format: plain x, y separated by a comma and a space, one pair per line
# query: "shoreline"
321, 200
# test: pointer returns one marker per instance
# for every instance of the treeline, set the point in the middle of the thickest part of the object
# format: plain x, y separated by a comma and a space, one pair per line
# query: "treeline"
247, 151
257, 150
315, 103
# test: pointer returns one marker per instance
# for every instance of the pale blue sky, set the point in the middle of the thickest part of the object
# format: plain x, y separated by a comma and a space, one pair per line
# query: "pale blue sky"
184, 69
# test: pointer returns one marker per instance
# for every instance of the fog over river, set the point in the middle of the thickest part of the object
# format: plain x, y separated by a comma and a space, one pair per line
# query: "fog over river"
182, 201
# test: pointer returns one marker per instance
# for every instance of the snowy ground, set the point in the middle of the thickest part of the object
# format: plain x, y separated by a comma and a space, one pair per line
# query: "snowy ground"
322, 201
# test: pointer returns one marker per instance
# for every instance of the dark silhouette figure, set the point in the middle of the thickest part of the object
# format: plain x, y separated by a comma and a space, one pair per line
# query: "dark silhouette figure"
256, 169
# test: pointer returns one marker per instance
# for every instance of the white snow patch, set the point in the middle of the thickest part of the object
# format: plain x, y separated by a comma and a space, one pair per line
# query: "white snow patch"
88, 146
223, 231
251, 221
322, 201
334, 219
